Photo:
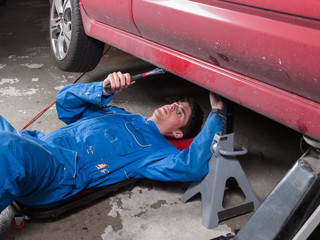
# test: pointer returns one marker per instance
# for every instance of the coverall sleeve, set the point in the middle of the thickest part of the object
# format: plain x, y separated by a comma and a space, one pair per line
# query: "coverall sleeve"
79, 100
187, 165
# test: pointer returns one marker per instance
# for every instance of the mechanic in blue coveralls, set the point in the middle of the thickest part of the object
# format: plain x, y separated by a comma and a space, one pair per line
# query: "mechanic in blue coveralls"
101, 145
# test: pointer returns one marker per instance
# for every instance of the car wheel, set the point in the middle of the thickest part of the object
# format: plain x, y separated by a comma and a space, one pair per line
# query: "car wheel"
72, 49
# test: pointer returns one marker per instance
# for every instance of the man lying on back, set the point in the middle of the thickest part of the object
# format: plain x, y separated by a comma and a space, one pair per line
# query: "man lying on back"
102, 145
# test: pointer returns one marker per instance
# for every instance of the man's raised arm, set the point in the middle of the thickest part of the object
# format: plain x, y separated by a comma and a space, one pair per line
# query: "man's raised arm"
79, 100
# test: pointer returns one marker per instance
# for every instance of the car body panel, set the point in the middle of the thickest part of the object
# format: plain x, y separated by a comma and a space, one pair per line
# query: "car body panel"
305, 8
284, 52
116, 13
288, 107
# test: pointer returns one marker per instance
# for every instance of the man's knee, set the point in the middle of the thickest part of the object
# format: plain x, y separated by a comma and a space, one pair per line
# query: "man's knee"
8, 144
6, 126
6, 138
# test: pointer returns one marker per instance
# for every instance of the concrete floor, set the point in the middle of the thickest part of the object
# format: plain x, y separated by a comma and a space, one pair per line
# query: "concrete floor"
29, 81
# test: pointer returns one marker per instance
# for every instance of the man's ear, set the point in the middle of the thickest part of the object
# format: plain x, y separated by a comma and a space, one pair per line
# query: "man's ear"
178, 134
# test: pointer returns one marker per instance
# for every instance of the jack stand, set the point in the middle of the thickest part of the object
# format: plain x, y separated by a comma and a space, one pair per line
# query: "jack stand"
222, 166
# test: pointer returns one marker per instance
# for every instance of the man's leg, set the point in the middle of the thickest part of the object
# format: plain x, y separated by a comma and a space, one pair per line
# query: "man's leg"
28, 172
11, 171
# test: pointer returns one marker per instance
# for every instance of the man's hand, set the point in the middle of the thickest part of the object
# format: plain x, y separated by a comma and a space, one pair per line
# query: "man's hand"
215, 101
118, 81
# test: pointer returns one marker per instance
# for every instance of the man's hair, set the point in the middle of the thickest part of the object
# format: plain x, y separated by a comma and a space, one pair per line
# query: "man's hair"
193, 126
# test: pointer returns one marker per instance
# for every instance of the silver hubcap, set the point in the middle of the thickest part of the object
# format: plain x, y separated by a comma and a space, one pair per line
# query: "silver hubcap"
60, 27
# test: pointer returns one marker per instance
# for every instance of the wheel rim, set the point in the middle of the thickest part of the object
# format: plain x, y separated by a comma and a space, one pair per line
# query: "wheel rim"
60, 27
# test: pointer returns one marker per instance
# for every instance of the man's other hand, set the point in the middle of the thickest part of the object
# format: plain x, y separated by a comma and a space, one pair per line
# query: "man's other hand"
215, 101
118, 81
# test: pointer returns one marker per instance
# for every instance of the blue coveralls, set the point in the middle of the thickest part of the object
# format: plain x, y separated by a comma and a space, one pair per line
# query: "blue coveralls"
99, 146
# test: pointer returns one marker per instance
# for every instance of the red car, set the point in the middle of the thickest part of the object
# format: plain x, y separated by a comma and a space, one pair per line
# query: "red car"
264, 55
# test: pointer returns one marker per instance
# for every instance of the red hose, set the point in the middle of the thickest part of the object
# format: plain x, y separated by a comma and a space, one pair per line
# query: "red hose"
45, 109
51, 104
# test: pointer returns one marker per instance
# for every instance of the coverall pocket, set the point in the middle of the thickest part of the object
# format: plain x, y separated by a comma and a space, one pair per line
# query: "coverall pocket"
126, 138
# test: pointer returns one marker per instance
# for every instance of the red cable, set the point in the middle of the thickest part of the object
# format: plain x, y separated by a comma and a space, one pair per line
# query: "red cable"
45, 109
51, 104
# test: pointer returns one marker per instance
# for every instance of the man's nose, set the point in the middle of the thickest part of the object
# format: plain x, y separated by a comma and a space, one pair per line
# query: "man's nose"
173, 106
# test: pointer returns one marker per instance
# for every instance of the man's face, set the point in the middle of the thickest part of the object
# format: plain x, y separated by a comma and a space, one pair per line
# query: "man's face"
172, 117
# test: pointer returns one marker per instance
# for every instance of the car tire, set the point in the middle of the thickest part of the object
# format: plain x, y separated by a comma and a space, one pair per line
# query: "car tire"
72, 49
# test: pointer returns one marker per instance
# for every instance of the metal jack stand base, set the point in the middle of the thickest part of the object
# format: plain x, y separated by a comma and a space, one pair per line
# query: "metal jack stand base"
222, 166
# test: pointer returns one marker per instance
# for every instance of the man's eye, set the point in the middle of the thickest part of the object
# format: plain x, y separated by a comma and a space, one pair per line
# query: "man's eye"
180, 114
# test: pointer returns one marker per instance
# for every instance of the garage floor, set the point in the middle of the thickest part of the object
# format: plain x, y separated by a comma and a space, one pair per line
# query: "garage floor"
29, 81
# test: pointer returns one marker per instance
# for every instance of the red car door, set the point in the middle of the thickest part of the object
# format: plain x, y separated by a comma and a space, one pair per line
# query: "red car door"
306, 8
116, 13
274, 47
